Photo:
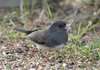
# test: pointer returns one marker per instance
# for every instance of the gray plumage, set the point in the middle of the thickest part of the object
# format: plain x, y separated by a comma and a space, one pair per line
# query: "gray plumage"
54, 36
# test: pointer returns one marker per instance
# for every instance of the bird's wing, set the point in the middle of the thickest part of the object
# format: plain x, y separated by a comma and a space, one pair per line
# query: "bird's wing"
38, 36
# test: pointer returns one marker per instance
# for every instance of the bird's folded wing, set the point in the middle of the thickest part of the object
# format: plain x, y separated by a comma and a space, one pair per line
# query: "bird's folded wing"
38, 36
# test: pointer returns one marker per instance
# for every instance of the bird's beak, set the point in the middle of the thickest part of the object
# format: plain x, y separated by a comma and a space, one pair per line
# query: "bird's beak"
68, 28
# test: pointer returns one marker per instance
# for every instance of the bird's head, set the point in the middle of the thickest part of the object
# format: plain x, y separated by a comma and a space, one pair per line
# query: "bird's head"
58, 26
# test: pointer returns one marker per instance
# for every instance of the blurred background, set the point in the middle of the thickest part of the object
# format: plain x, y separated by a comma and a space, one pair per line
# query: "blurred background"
83, 20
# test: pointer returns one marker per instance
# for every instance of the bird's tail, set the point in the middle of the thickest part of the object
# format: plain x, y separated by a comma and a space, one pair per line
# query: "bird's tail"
24, 31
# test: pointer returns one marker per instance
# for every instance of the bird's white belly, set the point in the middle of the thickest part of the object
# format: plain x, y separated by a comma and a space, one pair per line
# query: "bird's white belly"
39, 46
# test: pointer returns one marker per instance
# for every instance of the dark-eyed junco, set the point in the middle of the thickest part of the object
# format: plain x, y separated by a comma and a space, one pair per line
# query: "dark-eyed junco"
55, 36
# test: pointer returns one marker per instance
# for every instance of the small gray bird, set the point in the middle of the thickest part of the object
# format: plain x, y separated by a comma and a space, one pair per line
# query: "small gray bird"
55, 36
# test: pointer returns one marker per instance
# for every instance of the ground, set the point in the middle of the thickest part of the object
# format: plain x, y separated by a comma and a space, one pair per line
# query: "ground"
81, 53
